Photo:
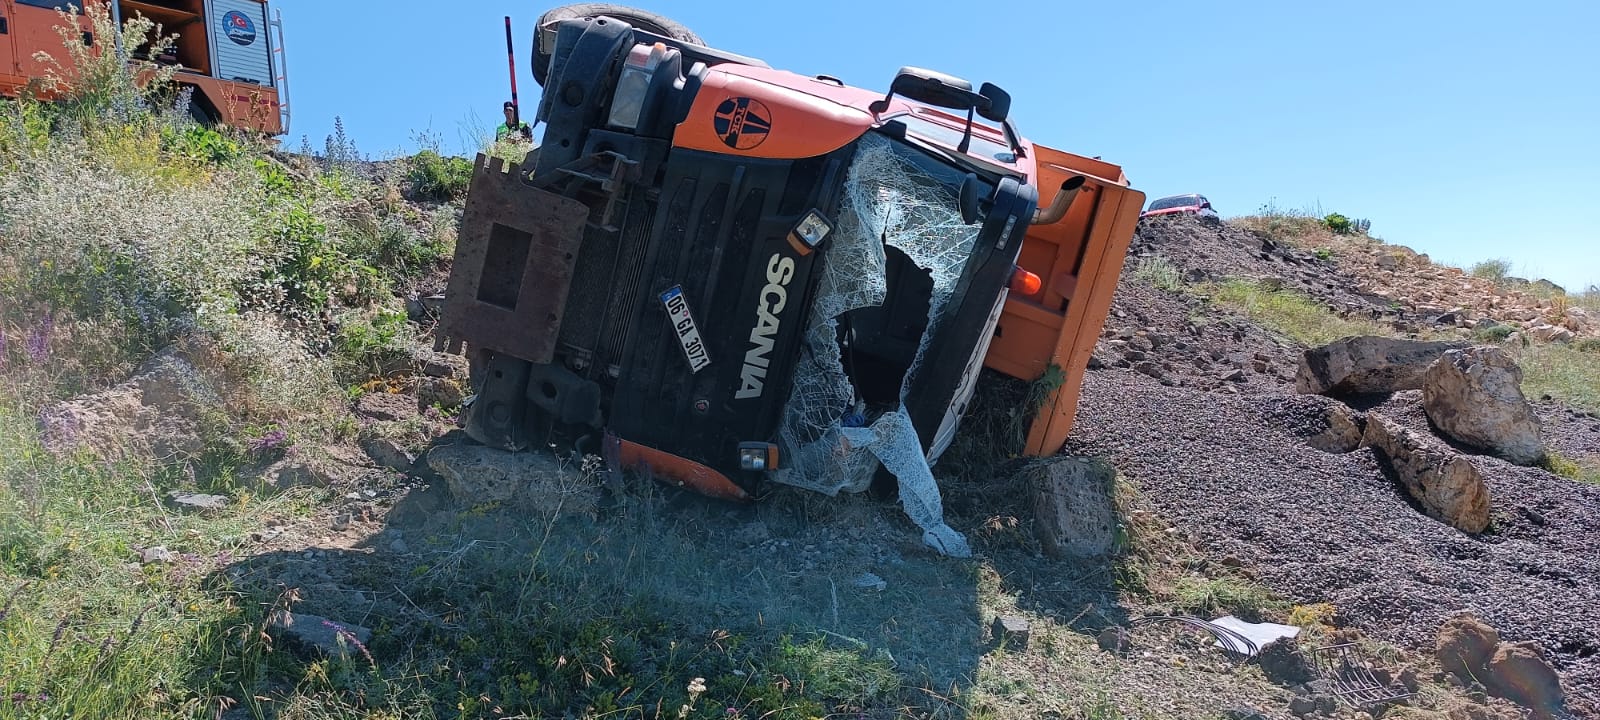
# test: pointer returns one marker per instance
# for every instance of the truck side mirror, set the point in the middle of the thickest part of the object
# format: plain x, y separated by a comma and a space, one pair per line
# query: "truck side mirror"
933, 88
999, 103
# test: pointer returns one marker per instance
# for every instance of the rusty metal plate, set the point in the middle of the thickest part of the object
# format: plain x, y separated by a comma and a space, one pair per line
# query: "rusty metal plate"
514, 263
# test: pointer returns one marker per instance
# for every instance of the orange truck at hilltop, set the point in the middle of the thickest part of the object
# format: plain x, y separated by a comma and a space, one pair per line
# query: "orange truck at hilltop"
230, 52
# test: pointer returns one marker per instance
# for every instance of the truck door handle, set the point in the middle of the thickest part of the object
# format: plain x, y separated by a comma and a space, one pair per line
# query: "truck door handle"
4, 29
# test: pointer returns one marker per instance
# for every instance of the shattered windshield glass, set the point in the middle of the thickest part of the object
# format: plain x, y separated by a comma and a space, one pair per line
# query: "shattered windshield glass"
899, 218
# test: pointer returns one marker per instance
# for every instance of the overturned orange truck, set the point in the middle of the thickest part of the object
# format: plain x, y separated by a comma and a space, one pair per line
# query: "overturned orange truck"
230, 52
731, 274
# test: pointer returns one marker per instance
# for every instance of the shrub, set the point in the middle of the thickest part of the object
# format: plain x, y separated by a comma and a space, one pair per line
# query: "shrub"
1492, 333
1324, 254
1337, 223
1159, 272
436, 177
1495, 270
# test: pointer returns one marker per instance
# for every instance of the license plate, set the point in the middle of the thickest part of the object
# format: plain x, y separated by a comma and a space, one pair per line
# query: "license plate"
694, 349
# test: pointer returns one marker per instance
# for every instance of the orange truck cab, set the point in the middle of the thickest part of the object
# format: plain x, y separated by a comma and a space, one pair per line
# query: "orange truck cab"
230, 53
730, 274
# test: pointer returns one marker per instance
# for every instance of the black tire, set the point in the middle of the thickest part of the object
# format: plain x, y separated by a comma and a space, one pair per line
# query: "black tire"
642, 19
201, 114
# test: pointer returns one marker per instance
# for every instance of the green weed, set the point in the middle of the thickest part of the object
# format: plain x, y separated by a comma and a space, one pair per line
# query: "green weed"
1495, 270
1209, 597
1159, 272
1582, 470
1288, 313
435, 177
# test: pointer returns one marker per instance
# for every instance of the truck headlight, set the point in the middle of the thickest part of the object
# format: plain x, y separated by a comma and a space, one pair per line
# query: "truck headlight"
758, 456
809, 232
627, 103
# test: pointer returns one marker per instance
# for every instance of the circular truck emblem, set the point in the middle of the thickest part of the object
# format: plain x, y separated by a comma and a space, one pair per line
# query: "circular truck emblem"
743, 123
239, 27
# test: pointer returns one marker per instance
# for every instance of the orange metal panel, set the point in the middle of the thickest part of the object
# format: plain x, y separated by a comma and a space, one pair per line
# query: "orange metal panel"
1108, 247
1080, 260
239, 105
746, 116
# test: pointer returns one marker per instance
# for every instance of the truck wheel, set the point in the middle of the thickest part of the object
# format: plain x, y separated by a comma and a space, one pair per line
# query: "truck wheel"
642, 19
200, 114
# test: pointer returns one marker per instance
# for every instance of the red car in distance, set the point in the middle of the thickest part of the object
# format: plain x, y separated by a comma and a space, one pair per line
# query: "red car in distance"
1175, 204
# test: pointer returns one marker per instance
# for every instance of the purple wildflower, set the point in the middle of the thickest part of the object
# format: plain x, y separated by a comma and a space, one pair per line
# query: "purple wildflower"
270, 441
39, 340
351, 638
23, 698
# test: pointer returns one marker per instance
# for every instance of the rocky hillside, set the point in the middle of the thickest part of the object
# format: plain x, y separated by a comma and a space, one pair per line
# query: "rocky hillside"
1205, 395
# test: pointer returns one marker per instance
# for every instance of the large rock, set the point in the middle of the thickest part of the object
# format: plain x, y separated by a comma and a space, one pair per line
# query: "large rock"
1367, 364
1447, 484
1343, 432
1475, 396
1074, 507
1465, 645
1517, 672
535, 480
319, 633
158, 413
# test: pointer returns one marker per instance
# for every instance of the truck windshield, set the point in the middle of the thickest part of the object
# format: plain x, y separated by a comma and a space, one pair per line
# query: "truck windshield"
981, 146
1178, 201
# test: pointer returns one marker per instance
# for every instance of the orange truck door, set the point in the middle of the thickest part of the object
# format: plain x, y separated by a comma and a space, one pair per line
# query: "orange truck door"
33, 30
8, 58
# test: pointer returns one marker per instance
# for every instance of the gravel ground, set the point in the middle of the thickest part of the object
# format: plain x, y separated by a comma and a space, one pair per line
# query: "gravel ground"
1228, 462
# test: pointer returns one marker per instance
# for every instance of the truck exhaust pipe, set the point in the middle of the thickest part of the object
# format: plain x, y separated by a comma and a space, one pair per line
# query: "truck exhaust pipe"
1062, 202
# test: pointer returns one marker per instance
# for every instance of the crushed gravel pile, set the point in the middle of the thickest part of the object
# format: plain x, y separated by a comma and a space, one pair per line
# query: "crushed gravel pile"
1230, 465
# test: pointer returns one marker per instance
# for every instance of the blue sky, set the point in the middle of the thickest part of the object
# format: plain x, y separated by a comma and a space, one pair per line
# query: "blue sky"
1467, 130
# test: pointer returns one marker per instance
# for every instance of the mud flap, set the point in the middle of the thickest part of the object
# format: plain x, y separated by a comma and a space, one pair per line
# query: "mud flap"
513, 266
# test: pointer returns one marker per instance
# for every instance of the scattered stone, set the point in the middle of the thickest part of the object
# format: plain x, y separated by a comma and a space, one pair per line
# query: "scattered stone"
443, 392
1243, 712
443, 365
1367, 364
1410, 681
1234, 376
1012, 632
870, 581
295, 473
1343, 433
476, 474
1115, 639
1134, 356
1551, 333
386, 407
389, 453
1283, 663
155, 414
319, 633
1519, 673
1148, 368
1072, 502
342, 522
1465, 645
1475, 396
196, 501
399, 547
1261, 367
1447, 484
1302, 706
153, 555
